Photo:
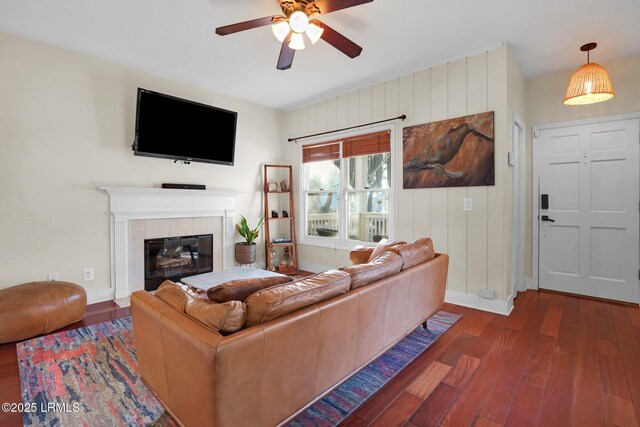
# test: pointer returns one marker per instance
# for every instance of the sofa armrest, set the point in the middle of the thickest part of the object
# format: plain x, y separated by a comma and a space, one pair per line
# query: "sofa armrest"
177, 359
360, 255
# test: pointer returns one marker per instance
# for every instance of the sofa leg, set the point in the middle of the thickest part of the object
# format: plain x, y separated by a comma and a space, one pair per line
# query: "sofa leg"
425, 325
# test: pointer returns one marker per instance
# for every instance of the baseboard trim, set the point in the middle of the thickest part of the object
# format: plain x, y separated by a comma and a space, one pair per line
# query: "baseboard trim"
100, 295
314, 268
530, 283
496, 306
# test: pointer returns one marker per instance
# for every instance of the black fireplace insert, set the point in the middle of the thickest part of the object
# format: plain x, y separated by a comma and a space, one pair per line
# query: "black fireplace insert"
176, 257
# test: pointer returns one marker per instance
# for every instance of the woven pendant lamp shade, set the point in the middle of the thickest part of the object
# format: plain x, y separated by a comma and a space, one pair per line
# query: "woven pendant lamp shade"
589, 84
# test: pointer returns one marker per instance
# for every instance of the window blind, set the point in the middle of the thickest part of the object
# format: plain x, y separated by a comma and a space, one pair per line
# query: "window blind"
371, 143
360, 145
320, 152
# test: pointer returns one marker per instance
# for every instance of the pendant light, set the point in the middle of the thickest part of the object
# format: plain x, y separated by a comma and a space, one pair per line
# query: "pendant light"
590, 83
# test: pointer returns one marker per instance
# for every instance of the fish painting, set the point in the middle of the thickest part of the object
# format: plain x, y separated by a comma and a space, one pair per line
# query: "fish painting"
456, 152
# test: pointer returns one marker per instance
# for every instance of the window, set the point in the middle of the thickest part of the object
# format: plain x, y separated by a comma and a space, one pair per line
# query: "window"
347, 185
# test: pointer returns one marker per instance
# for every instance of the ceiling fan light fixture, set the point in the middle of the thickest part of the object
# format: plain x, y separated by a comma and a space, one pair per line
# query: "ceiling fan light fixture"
297, 41
314, 32
299, 22
589, 84
281, 30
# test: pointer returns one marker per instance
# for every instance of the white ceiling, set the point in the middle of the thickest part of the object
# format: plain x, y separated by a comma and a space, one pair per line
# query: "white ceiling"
176, 39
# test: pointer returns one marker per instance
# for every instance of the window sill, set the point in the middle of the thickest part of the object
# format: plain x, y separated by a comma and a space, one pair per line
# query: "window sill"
335, 244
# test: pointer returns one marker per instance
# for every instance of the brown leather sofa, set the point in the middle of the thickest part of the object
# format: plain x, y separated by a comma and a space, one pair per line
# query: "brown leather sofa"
266, 373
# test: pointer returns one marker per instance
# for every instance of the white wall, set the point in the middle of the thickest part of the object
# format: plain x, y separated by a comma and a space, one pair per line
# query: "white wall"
544, 97
66, 128
477, 241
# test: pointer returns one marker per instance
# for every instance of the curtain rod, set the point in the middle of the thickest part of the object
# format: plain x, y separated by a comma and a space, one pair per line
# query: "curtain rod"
402, 117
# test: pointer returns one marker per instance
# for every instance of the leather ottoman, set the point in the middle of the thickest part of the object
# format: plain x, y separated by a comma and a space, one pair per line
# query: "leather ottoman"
38, 308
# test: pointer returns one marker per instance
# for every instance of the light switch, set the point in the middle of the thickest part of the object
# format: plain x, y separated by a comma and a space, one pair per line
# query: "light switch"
468, 204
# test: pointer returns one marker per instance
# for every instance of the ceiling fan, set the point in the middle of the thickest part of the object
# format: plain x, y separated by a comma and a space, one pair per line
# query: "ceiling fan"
300, 16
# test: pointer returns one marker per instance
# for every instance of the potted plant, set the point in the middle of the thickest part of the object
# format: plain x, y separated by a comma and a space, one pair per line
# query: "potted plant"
246, 251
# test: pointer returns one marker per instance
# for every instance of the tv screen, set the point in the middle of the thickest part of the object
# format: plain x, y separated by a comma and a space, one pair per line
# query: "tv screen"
174, 128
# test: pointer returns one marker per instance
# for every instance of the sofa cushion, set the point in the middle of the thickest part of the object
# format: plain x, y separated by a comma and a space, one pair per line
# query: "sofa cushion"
226, 318
279, 300
431, 251
360, 255
239, 290
176, 294
383, 266
382, 246
414, 253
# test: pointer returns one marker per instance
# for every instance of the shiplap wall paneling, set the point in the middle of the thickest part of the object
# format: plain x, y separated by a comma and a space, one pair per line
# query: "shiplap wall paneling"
353, 115
331, 107
497, 101
457, 221
378, 102
404, 198
421, 114
312, 119
366, 103
475, 240
439, 196
477, 219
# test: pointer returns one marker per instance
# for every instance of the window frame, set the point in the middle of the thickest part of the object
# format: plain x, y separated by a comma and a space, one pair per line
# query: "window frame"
342, 241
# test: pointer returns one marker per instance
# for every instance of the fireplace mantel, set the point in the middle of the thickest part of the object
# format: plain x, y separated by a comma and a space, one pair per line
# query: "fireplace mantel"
127, 204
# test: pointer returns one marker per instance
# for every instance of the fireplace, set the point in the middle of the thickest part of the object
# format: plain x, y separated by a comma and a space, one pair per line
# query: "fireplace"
176, 257
137, 214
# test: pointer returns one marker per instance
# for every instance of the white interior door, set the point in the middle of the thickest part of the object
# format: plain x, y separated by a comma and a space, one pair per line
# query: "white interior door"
588, 231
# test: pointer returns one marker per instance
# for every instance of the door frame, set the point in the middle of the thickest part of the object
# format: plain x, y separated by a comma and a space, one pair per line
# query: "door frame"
535, 193
518, 171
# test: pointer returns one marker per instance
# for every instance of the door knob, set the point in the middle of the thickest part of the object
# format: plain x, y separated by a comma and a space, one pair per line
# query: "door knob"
547, 219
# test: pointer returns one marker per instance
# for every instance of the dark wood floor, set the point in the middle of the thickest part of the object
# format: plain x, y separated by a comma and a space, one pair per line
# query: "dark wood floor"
556, 361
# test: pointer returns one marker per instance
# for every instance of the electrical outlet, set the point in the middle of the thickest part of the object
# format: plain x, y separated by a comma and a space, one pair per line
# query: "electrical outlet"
52, 277
468, 204
88, 274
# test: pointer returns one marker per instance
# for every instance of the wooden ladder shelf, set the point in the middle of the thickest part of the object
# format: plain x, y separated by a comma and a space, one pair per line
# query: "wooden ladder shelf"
288, 251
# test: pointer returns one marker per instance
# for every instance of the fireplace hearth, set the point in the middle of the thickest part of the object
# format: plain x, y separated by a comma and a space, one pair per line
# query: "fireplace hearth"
176, 257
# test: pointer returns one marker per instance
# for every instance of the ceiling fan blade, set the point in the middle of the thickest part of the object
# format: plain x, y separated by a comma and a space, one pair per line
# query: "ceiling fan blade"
286, 55
339, 41
247, 25
328, 6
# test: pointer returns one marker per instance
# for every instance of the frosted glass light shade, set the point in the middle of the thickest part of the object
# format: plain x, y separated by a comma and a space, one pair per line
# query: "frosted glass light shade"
314, 32
297, 42
299, 22
281, 30
589, 84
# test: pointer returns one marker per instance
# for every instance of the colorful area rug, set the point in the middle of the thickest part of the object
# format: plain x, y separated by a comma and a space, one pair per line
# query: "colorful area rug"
86, 377
89, 377
342, 401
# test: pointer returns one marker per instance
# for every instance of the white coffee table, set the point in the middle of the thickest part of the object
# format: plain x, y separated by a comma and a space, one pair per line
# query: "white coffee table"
209, 280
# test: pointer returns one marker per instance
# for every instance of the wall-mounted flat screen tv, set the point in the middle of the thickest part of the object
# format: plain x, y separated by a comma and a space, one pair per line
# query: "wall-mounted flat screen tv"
179, 129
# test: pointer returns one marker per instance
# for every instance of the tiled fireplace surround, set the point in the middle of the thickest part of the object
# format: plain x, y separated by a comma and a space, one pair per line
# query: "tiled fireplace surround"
146, 213
142, 229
